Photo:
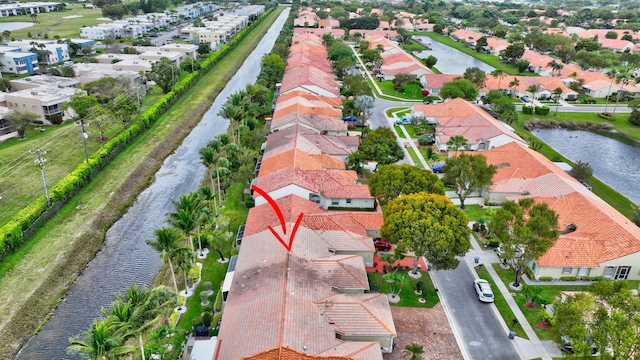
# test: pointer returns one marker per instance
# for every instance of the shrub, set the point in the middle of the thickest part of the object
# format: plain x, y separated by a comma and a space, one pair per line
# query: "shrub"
174, 317
196, 321
606, 116
206, 319
543, 299
215, 319
494, 243
634, 118
233, 252
568, 278
194, 273
218, 306
421, 286
249, 202
424, 140
545, 278
541, 110
527, 110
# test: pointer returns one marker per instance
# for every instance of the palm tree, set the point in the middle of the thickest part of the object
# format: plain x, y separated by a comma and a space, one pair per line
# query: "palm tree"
209, 156
184, 259
499, 74
624, 79
167, 242
533, 89
611, 74
6, 34
101, 342
414, 350
456, 142
557, 94
185, 216
513, 84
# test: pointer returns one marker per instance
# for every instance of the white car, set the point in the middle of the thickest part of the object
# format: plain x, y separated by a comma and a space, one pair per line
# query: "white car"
483, 289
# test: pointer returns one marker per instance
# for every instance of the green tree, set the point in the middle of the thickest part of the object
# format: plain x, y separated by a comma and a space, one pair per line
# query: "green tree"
401, 79
468, 173
581, 171
459, 88
382, 146
102, 119
613, 75
165, 74
272, 69
456, 142
481, 43
204, 48
343, 66
364, 103
101, 342
430, 61
391, 181
428, 225
184, 259
569, 321
522, 65
355, 85
414, 351
611, 35
533, 89
190, 65
123, 107
556, 96
184, 218
20, 120
476, 76
499, 74
525, 230
339, 50
81, 104
167, 241
513, 52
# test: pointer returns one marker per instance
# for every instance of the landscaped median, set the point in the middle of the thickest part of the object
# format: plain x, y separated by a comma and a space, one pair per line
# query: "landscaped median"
51, 260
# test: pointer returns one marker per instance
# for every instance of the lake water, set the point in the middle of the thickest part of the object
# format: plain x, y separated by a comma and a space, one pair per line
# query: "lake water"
16, 25
450, 60
615, 163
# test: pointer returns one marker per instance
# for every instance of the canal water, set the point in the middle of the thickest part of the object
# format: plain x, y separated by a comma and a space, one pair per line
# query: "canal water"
126, 258
450, 60
615, 163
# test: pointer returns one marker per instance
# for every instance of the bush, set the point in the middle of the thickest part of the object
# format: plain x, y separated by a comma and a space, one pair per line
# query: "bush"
194, 273
196, 321
216, 319
421, 286
249, 202
568, 278
218, 306
494, 243
543, 299
233, 252
527, 110
634, 118
206, 319
606, 116
541, 110
425, 140
173, 319
545, 278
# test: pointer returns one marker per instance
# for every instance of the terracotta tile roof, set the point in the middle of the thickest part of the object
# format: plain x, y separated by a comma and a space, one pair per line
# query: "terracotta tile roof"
301, 59
302, 138
602, 233
307, 106
459, 117
383, 25
543, 82
331, 101
435, 81
466, 34
310, 39
615, 44
497, 44
301, 159
283, 353
601, 33
310, 121
329, 183
369, 351
308, 48
344, 271
395, 59
319, 31
328, 22
538, 60
355, 314
307, 78
371, 33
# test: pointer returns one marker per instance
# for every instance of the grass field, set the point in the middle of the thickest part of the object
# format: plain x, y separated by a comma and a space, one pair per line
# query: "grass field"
415, 158
58, 252
54, 23
407, 295
412, 92
488, 59
475, 212
621, 124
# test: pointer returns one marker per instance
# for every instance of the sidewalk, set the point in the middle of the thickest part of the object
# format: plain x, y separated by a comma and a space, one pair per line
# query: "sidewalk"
529, 349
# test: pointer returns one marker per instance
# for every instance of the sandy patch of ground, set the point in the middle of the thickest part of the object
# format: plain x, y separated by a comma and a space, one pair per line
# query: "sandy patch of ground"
427, 327
103, 19
72, 16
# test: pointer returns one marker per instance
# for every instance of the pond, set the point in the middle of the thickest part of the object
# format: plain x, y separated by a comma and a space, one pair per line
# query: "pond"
450, 60
613, 162
15, 25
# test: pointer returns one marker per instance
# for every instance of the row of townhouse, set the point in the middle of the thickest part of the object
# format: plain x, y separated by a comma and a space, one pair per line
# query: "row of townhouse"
26, 8
595, 240
140, 25
216, 32
546, 85
395, 60
148, 55
311, 302
45, 95
25, 56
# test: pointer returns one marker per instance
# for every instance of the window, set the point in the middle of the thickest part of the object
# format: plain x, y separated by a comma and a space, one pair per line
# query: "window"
566, 270
348, 201
608, 272
335, 202
583, 271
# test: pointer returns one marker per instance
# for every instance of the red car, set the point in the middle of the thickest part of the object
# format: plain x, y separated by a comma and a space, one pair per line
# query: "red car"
382, 244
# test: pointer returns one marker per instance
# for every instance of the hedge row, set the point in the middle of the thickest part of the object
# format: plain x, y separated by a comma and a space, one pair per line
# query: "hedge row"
17, 230
539, 110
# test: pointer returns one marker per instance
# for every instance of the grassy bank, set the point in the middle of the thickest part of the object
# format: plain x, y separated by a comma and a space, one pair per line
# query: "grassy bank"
54, 256
488, 59
62, 23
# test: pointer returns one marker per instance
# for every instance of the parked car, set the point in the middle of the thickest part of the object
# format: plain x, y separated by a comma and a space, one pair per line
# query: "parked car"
525, 99
483, 289
437, 168
359, 124
567, 345
405, 120
382, 244
585, 184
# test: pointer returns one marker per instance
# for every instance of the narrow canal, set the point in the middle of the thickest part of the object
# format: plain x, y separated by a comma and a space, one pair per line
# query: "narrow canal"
126, 258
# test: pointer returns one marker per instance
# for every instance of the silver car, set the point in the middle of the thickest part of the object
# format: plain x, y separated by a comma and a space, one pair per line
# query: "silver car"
483, 289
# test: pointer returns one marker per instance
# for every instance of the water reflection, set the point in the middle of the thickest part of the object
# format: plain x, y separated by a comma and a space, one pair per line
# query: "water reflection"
615, 163
450, 60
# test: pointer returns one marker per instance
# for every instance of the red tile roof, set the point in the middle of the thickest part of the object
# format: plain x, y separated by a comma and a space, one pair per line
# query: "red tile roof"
318, 123
307, 78
338, 33
302, 138
301, 159
301, 60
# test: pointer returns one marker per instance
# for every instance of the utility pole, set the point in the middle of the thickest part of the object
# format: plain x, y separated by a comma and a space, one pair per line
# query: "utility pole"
84, 141
219, 192
40, 162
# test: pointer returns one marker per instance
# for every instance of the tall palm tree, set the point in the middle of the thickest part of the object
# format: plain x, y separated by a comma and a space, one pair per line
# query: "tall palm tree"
184, 259
499, 74
611, 74
101, 342
185, 216
533, 89
513, 84
624, 79
456, 142
167, 242
414, 350
209, 156
557, 94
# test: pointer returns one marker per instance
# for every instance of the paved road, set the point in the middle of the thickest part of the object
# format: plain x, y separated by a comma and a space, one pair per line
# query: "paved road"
481, 334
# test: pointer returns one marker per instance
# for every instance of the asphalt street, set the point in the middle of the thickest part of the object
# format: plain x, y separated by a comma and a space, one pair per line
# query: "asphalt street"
481, 334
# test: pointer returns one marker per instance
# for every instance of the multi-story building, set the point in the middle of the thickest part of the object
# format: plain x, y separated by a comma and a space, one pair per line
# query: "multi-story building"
26, 8
45, 101
18, 62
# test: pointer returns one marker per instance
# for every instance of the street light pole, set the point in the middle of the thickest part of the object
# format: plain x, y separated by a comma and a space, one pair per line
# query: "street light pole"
40, 162
84, 141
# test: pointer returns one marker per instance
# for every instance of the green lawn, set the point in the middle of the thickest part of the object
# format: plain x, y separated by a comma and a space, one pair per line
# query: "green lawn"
414, 131
57, 253
412, 45
535, 316
501, 303
488, 59
474, 212
621, 124
414, 157
412, 92
399, 110
425, 154
54, 23
399, 132
407, 295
